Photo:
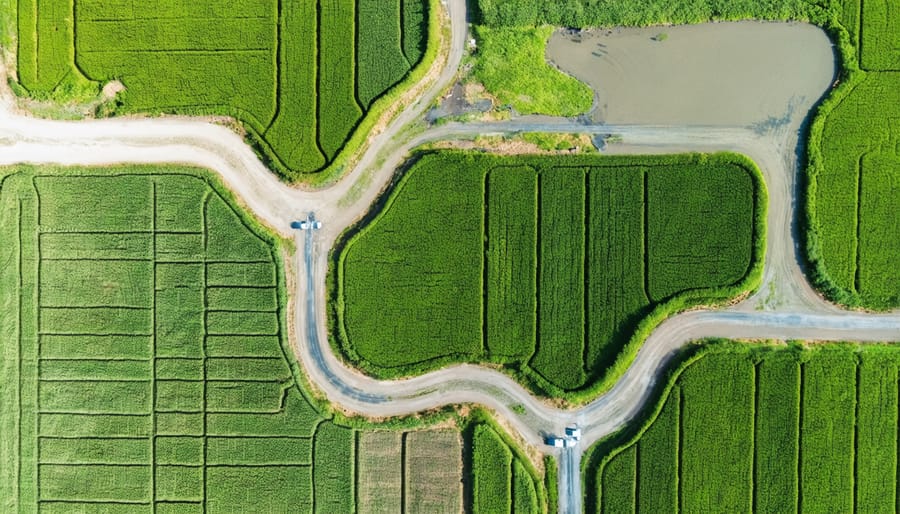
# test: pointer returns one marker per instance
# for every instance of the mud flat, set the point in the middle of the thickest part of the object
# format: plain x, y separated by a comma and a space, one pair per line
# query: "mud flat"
738, 74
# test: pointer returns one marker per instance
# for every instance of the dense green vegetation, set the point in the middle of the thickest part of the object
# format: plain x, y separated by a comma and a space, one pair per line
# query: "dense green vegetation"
742, 427
145, 367
505, 66
853, 190
503, 480
300, 75
543, 263
608, 13
512, 36
851, 236
879, 44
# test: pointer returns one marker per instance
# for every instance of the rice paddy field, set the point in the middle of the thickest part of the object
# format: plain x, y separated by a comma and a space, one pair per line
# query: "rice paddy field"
547, 265
145, 366
854, 183
768, 428
300, 75
851, 195
502, 479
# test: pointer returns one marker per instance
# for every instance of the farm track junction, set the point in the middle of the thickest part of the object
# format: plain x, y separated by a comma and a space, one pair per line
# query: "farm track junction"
785, 307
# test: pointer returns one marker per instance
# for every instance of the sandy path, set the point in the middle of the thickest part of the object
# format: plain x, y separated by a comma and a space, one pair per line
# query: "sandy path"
786, 306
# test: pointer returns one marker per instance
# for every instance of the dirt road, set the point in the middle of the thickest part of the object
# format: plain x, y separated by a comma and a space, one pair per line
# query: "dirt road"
785, 307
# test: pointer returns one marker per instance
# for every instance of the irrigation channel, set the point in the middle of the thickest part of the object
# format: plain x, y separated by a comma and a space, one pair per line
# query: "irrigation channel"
785, 307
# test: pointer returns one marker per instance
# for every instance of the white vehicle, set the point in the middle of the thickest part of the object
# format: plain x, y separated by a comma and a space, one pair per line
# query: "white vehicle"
574, 432
316, 225
556, 442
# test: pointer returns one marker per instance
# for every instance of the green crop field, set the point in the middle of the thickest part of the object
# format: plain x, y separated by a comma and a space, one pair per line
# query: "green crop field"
145, 366
767, 428
501, 479
548, 265
854, 151
300, 75
854, 173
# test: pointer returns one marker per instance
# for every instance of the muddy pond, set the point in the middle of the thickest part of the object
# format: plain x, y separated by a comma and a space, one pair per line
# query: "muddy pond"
739, 74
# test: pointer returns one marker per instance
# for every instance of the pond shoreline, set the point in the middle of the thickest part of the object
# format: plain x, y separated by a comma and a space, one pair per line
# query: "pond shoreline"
749, 73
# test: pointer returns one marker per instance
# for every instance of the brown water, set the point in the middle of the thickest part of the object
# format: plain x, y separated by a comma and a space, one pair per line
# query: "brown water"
742, 74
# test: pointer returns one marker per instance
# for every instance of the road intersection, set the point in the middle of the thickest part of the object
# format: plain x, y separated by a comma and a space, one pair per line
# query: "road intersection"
785, 307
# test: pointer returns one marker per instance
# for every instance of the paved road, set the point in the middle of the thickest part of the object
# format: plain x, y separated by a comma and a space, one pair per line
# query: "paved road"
785, 307
570, 481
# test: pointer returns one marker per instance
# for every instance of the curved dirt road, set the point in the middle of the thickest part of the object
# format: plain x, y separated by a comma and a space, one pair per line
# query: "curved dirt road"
785, 307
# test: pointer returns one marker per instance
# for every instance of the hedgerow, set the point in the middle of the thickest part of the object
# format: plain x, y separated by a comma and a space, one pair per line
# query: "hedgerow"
446, 292
705, 444
609, 13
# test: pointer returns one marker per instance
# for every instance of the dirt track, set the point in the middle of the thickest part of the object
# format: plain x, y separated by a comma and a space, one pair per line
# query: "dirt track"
785, 307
